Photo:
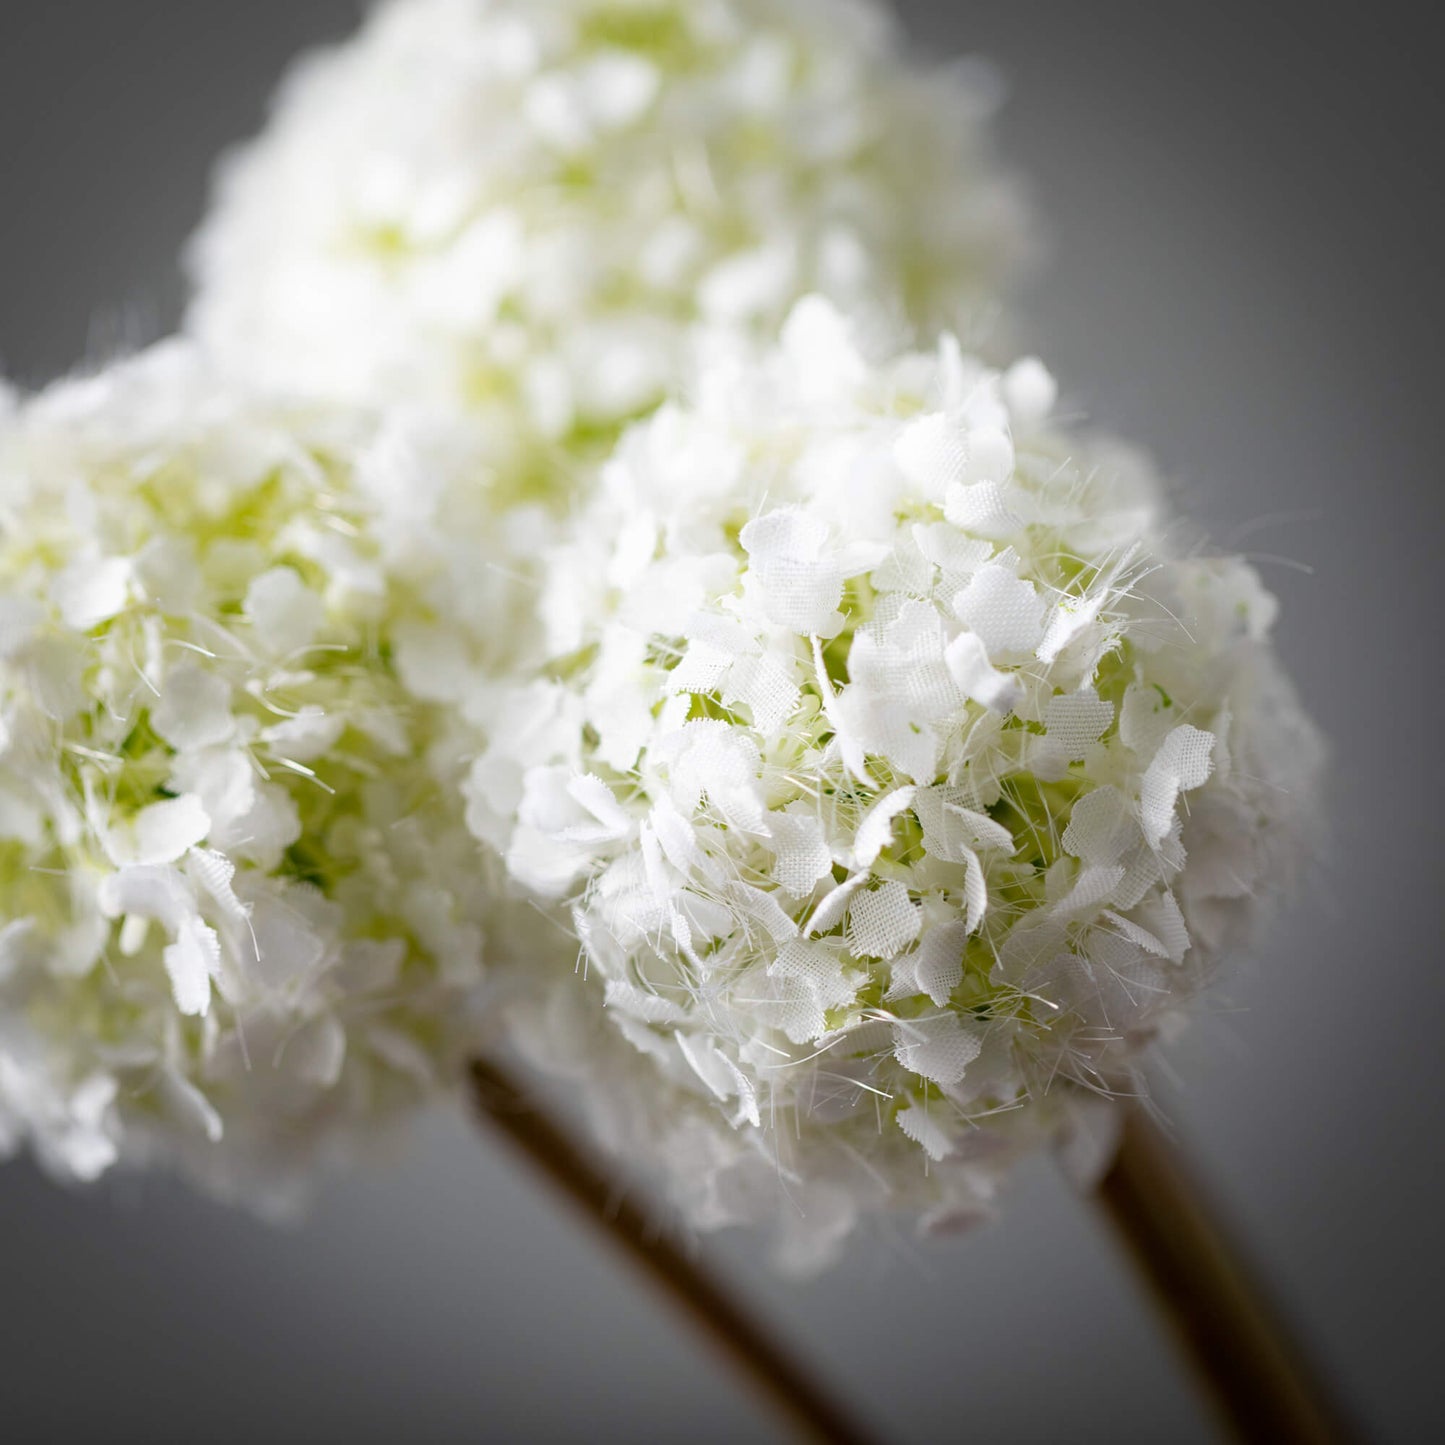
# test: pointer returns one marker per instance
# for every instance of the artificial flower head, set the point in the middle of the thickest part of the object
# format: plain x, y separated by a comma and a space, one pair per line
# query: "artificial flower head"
529, 208
905, 777
240, 918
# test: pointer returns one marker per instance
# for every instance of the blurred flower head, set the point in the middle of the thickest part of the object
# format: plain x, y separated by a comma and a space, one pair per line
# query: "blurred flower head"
240, 918
532, 210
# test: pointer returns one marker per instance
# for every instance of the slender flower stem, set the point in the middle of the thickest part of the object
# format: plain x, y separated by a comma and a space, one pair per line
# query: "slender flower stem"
715, 1312
1237, 1347
1224, 1326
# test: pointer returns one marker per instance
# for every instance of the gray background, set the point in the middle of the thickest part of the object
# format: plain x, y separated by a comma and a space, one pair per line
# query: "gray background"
1246, 278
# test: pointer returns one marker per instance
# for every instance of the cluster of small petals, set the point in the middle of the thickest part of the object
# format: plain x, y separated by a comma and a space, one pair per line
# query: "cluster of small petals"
530, 209
240, 915
900, 778
903, 780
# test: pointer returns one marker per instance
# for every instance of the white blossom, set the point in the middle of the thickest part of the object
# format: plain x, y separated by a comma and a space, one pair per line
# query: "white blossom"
241, 920
534, 209
904, 777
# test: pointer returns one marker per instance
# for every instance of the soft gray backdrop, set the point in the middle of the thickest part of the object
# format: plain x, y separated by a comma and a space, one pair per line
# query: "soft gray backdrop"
1243, 201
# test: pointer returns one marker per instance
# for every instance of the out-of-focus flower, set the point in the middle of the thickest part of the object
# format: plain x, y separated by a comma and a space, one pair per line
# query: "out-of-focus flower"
534, 211
241, 920
905, 778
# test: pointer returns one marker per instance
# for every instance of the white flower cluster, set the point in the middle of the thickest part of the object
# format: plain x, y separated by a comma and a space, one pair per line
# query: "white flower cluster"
242, 639
236, 895
905, 781
531, 209
901, 776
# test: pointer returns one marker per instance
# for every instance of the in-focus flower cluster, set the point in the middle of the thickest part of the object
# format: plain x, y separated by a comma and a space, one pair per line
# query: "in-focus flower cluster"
236, 896
532, 209
905, 780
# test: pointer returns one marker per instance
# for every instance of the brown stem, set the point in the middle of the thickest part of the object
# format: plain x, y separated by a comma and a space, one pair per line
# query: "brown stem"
703, 1299
1237, 1347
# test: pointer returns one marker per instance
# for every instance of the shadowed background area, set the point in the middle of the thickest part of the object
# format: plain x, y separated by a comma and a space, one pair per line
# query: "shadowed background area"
1243, 209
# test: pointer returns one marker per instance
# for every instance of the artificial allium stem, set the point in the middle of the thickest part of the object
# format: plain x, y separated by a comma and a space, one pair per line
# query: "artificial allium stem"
715, 1312
1236, 1345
